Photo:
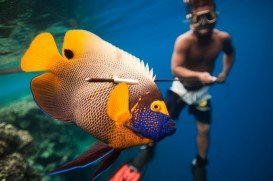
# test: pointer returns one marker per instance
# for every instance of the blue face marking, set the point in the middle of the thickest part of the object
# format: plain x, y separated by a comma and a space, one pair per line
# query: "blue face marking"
152, 125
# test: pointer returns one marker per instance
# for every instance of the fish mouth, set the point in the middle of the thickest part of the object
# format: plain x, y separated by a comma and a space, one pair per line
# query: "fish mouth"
169, 127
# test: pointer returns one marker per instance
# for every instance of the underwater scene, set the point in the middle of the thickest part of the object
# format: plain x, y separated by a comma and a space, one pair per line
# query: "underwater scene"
33, 142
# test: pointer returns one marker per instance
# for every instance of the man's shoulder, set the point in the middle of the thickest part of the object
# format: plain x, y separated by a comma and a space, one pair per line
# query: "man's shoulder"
222, 35
186, 37
225, 38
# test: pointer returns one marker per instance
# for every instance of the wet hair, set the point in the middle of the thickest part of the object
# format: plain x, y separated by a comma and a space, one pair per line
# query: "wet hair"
194, 4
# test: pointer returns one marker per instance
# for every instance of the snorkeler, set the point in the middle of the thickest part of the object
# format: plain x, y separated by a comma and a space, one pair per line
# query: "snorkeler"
193, 58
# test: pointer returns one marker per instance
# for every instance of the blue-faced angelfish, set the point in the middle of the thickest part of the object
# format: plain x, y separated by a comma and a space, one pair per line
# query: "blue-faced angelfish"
118, 115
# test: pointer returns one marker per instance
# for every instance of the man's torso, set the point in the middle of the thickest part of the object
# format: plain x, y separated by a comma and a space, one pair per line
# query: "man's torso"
201, 54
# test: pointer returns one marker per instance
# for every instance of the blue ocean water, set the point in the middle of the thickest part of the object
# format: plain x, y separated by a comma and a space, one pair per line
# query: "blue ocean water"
241, 145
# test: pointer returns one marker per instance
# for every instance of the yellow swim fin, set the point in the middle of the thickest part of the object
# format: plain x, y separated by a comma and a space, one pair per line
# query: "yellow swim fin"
118, 104
41, 54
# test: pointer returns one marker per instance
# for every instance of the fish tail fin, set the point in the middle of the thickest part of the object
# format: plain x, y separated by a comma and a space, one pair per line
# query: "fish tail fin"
41, 54
99, 151
106, 163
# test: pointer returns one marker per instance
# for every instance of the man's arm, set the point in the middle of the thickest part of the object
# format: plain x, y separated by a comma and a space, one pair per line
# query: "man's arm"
181, 47
228, 58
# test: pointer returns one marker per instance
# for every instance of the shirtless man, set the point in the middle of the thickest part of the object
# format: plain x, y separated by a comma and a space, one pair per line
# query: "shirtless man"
192, 63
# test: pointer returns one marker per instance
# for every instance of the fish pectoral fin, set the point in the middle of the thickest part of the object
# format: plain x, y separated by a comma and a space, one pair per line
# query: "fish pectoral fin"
99, 151
118, 104
41, 54
128, 125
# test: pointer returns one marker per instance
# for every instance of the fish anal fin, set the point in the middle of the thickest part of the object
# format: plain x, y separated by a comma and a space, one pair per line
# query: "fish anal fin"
96, 152
118, 104
46, 92
41, 54
106, 163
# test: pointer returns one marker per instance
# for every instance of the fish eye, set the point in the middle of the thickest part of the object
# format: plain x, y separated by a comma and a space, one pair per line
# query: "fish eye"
68, 54
155, 106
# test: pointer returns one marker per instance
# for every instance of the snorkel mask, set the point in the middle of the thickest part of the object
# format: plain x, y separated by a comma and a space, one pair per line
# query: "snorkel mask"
201, 18
202, 21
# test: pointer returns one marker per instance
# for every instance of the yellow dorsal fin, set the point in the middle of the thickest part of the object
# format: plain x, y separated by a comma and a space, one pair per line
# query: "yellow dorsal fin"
118, 104
81, 42
41, 54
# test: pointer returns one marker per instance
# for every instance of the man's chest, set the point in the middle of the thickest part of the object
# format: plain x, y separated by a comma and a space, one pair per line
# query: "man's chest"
204, 53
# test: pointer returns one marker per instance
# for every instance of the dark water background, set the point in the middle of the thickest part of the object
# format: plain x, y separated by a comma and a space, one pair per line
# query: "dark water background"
241, 137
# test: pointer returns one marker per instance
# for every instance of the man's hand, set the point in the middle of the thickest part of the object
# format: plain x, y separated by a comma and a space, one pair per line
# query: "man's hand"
206, 78
221, 77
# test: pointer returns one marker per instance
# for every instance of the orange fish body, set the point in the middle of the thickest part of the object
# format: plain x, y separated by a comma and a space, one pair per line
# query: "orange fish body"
101, 109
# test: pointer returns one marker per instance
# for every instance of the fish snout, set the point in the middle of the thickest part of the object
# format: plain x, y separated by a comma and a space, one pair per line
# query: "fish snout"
156, 126
169, 126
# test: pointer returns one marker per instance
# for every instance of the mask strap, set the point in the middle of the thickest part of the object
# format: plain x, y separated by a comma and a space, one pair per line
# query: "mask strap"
188, 9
